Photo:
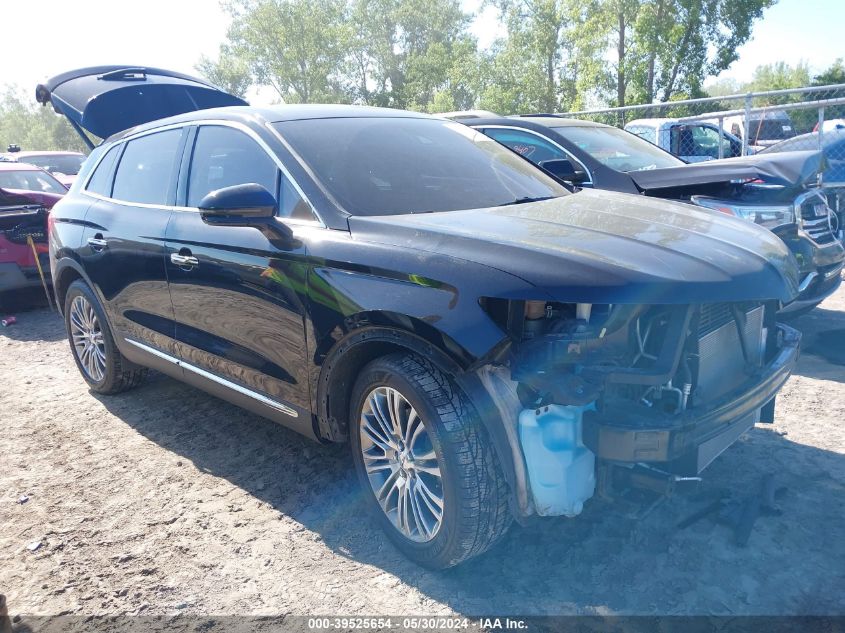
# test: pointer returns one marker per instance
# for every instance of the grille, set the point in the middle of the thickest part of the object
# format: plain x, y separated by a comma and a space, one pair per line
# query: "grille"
722, 366
815, 218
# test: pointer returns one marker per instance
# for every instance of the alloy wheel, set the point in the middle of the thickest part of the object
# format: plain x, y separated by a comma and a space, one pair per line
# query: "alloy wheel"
87, 338
401, 464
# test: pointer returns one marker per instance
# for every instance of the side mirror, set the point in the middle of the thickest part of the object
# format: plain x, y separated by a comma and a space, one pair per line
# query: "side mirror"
238, 205
247, 205
562, 169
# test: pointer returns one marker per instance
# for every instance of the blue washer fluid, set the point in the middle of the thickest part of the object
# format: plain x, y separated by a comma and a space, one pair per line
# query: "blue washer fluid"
561, 470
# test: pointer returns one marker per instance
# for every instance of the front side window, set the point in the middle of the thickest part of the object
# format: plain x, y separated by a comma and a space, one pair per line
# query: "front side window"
30, 180
527, 145
146, 168
225, 157
101, 180
618, 149
398, 165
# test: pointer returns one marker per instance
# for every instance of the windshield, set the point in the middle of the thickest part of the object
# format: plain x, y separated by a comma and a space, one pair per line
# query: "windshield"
68, 164
31, 180
618, 149
386, 166
769, 130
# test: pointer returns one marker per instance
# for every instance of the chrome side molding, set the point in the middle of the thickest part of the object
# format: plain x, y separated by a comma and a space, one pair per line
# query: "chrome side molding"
287, 410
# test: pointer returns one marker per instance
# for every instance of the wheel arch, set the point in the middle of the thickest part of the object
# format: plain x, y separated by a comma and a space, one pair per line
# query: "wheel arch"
67, 271
351, 353
360, 346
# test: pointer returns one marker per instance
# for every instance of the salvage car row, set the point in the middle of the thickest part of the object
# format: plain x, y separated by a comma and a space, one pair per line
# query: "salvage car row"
492, 341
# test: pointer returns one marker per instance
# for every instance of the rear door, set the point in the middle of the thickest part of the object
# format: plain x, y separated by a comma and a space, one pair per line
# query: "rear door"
123, 243
239, 316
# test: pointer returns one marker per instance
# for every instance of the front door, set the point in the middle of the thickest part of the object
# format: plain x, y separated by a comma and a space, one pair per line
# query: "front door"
123, 251
237, 296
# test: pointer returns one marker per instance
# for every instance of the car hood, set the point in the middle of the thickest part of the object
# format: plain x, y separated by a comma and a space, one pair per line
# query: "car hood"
105, 100
790, 169
22, 197
603, 247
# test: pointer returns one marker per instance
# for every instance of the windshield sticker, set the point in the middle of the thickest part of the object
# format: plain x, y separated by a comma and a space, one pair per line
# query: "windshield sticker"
524, 150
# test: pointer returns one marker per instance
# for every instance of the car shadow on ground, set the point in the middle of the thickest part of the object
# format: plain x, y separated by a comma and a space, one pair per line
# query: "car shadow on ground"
822, 345
600, 562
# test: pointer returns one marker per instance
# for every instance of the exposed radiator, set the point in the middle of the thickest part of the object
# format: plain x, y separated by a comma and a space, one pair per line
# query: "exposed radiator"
722, 366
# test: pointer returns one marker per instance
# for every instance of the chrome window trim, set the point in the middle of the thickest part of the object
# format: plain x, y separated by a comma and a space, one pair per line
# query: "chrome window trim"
215, 378
317, 221
545, 138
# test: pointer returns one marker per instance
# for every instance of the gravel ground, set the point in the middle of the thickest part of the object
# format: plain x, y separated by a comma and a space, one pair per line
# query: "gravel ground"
165, 500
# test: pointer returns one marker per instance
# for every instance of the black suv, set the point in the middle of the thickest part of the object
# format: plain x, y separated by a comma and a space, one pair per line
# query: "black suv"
489, 344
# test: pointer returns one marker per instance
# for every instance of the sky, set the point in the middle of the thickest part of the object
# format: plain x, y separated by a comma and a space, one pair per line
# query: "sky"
52, 36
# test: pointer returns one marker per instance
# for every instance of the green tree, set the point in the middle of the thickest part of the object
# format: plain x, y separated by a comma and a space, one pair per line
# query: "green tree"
228, 71
778, 76
408, 51
33, 127
675, 44
833, 75
549, 58
298, 47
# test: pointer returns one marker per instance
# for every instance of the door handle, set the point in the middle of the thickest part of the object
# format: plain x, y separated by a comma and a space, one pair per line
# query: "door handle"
97, 243
184, 261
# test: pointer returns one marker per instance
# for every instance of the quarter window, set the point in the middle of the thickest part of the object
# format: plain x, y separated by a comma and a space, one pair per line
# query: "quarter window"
101, 180
146, 170
291, 204
224, 157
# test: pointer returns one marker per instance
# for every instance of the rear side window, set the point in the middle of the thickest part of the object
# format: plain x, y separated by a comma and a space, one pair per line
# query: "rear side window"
101, 179
146, 170
224, 157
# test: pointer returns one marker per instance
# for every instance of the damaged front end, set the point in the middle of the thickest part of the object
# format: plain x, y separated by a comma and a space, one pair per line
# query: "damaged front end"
598, 387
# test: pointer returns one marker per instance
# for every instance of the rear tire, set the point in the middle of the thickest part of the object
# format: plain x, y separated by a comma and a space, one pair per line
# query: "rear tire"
447, 438
99, 361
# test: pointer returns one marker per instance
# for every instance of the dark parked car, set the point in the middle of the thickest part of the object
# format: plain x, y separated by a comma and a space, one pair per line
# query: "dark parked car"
832, 144
489, 344
774, 191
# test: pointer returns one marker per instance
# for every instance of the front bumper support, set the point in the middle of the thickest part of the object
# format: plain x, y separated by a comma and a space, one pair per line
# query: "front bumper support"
686, 443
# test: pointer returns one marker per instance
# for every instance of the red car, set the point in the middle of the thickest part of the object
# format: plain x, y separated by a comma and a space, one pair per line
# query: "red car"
27, 193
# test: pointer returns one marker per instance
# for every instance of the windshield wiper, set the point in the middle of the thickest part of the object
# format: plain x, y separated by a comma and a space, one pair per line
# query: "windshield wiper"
526, 199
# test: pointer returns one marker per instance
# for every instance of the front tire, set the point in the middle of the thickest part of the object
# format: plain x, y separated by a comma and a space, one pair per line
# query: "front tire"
425, 462
99, 361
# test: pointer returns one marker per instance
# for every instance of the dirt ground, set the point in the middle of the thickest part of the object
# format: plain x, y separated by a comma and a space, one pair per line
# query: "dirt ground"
165, 500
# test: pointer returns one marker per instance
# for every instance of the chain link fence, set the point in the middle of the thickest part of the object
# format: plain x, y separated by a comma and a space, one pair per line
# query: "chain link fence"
811, 118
